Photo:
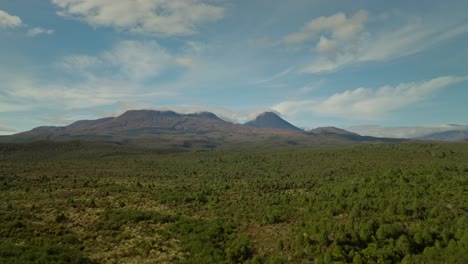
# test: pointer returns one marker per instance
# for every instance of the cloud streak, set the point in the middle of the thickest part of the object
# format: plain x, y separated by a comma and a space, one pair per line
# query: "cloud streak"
340, 40
370, 104
276, 76
33, 32
149, 17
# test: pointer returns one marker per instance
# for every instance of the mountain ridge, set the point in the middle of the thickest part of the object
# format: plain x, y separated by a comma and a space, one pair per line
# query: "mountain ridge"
196, 130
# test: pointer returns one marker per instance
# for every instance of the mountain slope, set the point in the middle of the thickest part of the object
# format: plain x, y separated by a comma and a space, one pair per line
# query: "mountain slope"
331, 130
271, 120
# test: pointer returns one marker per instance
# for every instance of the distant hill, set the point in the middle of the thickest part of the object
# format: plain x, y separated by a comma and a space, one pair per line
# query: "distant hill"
331, 130
454, 135
168, 129
271, 120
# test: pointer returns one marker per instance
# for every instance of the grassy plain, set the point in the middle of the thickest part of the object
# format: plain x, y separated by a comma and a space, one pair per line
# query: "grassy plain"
81, 202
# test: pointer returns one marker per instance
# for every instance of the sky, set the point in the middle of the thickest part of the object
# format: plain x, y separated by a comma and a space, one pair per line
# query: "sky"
383, 68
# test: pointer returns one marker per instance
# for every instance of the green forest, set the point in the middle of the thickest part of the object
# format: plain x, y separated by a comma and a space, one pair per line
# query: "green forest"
82, 202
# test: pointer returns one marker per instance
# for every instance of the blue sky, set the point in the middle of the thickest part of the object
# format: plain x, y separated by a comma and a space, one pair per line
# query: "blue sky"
361, 65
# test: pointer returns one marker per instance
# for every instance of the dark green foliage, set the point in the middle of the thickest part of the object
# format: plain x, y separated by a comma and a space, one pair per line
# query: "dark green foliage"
210, 241
61, 218
365, 204
11, 253
239, 250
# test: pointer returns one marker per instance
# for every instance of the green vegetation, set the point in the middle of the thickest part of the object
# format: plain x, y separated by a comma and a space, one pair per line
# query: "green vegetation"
83, 203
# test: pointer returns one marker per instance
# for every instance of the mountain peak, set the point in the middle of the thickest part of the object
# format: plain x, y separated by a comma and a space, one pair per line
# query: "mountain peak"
271, 120
268, 114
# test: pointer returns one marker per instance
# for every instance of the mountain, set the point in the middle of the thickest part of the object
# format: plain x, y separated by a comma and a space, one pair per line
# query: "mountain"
331, 130
140, 121
271, 120
454, 135
168, 129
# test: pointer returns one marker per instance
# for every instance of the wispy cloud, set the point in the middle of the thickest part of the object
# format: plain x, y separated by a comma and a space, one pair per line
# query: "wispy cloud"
340, 40
150, 17
367, 103
276, 76
92, 92
339, 26
131, 60
8, 21
412, 38
33, 32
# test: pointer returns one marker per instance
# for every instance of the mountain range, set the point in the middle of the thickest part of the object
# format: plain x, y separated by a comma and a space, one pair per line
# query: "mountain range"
200, 130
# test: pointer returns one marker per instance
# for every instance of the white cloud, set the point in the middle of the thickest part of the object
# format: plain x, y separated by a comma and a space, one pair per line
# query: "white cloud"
335, 38
326, 46
151, 17
335, 29
403, 132
9, 21
339, 25
412, 38
139, 60
33, 32
294, 107
340, 40
369, 104
131, 60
